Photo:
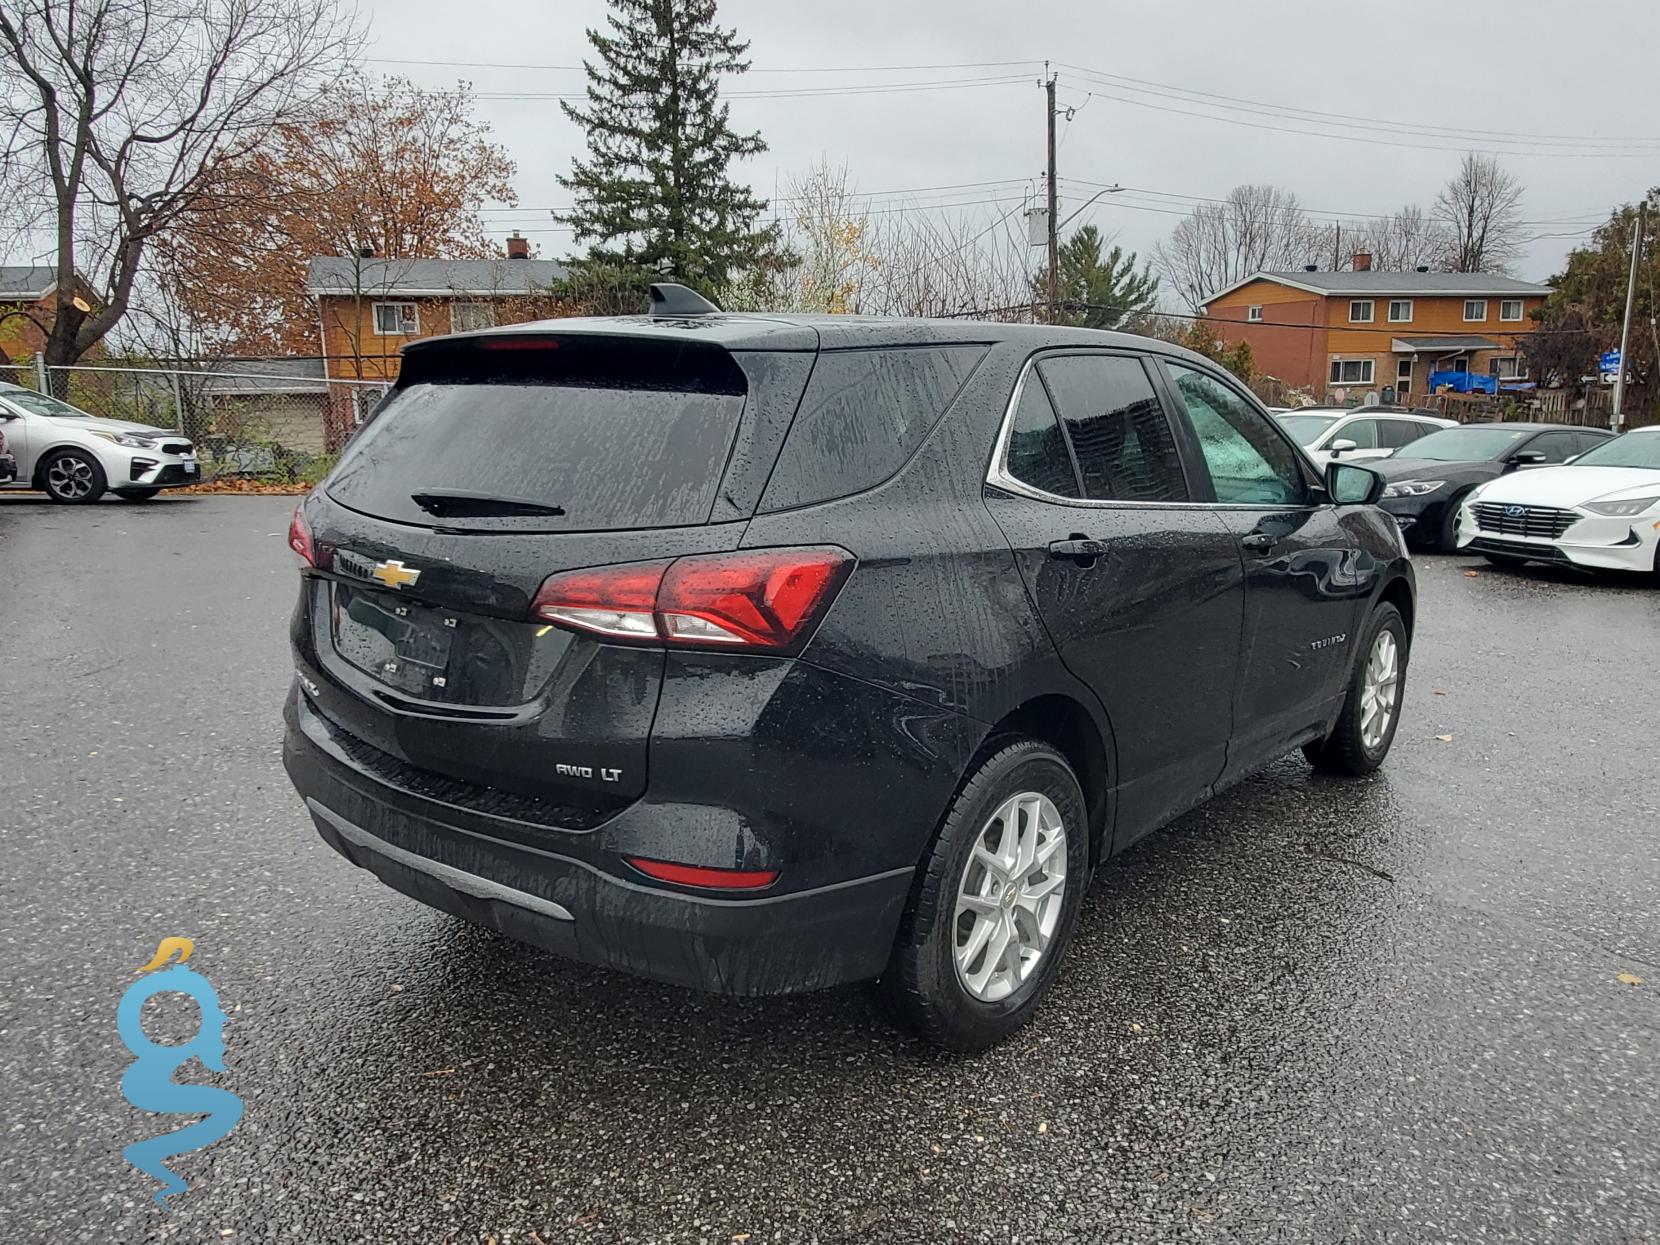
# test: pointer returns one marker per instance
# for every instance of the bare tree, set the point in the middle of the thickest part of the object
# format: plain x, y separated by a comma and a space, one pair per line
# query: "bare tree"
1480, 210
1255, 229
900, 260
115, 113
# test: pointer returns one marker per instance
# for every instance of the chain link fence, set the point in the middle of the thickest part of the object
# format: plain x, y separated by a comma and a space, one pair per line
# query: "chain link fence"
281, 420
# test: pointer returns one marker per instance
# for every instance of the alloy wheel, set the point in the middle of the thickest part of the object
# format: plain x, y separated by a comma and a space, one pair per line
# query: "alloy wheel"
69, 476
1379, 690
1010, 897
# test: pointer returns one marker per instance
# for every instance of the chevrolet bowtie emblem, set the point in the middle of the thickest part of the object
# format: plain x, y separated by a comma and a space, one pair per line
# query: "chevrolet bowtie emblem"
394, 574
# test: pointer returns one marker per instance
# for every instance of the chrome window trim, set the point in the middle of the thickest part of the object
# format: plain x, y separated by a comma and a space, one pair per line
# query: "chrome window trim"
997, 474
998, 477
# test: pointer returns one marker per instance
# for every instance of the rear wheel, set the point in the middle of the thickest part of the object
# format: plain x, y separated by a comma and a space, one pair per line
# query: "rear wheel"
996, 901
73, 477
136, 494
1371, 710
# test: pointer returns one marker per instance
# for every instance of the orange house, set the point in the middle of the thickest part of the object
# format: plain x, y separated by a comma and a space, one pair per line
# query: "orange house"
368, 309
1346, 335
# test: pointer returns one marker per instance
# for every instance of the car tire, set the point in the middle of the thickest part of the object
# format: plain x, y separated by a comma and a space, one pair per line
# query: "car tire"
936, 982
1446, 536
136, 494
73, 477
1358, 743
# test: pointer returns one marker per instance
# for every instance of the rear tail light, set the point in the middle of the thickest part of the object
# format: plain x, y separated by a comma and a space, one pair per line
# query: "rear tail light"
766, 600
299, 537
710, 879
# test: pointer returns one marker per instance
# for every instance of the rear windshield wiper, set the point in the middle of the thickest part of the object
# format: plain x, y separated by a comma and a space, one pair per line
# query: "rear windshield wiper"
451, 503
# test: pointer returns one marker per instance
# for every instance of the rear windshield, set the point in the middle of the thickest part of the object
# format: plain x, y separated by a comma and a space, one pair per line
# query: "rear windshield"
1454, 445
1306, 429
635, 441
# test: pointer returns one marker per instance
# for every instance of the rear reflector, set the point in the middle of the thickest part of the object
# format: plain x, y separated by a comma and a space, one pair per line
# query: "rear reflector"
764, 600
710, 879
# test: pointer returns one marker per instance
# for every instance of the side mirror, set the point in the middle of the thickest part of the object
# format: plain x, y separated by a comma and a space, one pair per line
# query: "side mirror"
1350, 484
1341, 444
1527, 458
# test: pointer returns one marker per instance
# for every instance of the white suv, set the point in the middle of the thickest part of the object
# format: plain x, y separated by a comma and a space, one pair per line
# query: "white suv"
1352, 433
74, 457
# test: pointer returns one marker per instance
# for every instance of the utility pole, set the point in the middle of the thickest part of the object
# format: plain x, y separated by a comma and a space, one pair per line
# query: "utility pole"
1054, 228
1637, 238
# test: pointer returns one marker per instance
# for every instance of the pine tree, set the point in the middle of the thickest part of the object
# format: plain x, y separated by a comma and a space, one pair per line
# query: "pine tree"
1099, 291
654, 192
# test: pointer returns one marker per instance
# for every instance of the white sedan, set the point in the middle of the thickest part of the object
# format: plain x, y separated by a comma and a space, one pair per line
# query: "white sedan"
1354, 433
1602, 510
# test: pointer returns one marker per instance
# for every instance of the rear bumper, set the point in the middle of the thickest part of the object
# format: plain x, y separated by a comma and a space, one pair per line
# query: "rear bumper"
586, 909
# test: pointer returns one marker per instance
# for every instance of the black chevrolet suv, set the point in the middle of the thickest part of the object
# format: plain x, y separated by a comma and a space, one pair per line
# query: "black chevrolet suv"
763, 653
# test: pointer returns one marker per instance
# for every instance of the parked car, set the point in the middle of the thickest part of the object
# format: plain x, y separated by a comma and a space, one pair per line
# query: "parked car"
74, 457
1602, 511
8, 464
1357, 433
1430, 481
764, 653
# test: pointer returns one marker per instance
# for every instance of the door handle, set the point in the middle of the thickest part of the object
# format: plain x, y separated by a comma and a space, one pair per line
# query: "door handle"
1078, 548
1259, 542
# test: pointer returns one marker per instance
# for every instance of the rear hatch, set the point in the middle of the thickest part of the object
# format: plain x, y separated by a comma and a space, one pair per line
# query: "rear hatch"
499, 461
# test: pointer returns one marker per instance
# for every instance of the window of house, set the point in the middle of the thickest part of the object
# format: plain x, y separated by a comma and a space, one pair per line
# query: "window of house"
1250, 461
470, 317
1400, 310
1253, 313
397, 320
1117, 427
1510, 309
1507, 367
1475, 308
1360, 311
1351, 371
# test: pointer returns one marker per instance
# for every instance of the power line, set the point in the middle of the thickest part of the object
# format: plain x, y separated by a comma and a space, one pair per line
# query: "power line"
886, 88
1325, 117
389, 60
1376, 142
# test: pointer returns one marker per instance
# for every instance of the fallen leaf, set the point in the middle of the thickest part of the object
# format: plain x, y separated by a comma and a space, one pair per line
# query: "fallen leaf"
1043, 1126
1135, 1028
1629, 979
1472, 574
979, 1138
1446, 739
1439, 691
440, 1072
742, 1236
535, 1238
396, 987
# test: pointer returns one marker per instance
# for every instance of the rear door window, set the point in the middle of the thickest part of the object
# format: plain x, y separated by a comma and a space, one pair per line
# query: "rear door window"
1037, 449
1394, 433
1117, 427
864, 413
613, 435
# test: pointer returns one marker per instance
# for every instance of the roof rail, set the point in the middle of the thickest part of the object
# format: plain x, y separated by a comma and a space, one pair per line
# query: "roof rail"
669, 299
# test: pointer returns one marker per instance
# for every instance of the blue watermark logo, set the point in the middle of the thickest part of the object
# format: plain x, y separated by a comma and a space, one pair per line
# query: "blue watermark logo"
148, 1081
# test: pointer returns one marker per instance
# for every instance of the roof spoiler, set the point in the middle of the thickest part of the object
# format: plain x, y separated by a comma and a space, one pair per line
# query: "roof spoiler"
671, 300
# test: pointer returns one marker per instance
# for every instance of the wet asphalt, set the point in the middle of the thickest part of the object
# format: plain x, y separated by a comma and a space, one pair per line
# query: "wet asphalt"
1311, 1010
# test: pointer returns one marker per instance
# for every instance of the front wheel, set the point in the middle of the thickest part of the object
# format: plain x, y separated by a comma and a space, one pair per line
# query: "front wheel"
1446, 537
1372, 709
995, 903
73, 477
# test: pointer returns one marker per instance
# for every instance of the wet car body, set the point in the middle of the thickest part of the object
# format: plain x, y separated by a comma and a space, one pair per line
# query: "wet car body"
1167, 649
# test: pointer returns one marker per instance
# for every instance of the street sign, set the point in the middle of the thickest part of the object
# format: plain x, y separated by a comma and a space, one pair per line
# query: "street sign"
1609, 365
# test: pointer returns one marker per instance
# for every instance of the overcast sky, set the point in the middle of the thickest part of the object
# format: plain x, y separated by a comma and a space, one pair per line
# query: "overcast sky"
1526, 67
